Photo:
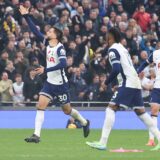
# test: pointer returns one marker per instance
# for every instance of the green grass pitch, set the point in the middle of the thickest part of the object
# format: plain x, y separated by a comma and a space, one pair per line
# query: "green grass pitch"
70, 145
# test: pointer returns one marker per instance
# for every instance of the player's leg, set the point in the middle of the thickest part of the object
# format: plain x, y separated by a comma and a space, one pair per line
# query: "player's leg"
106, 130
42, 104
108, 123
147, 120
154, 114
109, 120
67, 109
145, 117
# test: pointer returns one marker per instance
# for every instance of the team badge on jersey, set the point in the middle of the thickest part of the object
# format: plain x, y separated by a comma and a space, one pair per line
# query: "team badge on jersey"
112, 55
62, 52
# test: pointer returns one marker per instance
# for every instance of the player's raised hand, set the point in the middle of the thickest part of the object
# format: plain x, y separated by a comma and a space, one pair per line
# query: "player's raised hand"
23, 10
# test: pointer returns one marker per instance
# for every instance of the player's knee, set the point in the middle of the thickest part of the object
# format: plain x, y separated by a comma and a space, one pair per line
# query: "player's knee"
41, 106
67, 111
154, 110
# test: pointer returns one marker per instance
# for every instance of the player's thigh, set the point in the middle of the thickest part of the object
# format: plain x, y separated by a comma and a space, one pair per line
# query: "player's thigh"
43, 102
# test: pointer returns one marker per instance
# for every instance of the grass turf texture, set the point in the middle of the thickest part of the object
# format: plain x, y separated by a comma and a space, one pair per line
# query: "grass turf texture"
70, 145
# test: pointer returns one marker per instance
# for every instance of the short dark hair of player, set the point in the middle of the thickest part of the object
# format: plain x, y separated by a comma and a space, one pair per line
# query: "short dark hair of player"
59, 33
116, 34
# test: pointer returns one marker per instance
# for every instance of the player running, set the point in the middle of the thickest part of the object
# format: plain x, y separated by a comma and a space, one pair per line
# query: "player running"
129, 91
155, 94
56, 85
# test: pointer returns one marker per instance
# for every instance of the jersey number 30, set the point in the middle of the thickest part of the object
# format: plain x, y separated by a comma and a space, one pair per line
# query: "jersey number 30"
62, 97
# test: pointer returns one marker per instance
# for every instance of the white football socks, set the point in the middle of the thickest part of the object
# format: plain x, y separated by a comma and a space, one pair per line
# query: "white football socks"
154, 119
107, 126
76, 115
149, 123
39, 122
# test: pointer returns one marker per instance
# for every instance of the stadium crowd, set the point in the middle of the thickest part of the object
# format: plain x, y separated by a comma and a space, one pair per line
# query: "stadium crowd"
84, 24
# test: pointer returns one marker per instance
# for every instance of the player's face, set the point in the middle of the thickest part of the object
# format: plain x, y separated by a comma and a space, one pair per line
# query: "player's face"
51, 34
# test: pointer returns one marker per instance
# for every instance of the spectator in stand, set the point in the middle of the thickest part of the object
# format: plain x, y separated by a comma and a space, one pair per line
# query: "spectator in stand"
18, 97
88, 29
93, 90
143, 18
130, 6
113, 6
3, 61
78, 86
152, 7
6, 90
9, 24
23, 48
131, 43
20, 63
32, 85
86, 8
132, 24
105, 93
50, 17
11, 49
93, 16
10, 69
86, 73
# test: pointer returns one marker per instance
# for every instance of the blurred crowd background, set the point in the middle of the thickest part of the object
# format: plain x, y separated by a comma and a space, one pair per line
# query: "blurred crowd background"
85, 24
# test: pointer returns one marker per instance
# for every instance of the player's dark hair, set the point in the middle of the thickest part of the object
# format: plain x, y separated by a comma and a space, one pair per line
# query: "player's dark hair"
116, 34
59, 33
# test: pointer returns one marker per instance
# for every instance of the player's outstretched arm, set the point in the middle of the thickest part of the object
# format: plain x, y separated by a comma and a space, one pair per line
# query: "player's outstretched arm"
25, 13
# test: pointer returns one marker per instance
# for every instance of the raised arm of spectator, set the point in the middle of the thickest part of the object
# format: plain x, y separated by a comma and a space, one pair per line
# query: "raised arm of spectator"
24, 11
145, 64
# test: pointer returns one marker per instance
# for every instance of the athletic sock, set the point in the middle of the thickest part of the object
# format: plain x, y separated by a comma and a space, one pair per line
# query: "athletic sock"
39, 122
107, 126
154, 119
149, 123
76, 115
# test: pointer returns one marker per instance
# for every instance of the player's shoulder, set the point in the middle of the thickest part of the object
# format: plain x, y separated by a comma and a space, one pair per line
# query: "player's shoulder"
114, 51
61, 50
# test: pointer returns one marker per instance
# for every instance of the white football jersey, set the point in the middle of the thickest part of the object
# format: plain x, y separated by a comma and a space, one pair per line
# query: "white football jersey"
156, 60
128, 76
53, 54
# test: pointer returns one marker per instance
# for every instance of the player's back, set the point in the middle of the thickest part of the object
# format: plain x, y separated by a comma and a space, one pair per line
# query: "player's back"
128, 76
156, 60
